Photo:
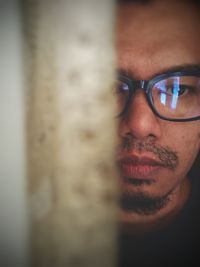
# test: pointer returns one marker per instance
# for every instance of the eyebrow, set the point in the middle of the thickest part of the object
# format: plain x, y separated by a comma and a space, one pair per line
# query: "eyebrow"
177, 68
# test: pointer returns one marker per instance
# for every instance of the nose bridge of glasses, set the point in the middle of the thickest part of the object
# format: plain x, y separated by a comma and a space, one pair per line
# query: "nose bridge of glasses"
140, 84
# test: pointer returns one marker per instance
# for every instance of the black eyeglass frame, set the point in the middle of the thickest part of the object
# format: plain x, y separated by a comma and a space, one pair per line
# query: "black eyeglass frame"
147, 86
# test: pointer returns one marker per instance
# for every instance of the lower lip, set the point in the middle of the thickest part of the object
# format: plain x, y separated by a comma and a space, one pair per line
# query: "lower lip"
139, 171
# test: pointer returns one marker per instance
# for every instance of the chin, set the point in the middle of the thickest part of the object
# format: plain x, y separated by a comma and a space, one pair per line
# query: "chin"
130, 186
142, 197
151, 187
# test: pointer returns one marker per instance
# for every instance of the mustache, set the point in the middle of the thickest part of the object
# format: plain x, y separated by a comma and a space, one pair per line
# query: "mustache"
166, 155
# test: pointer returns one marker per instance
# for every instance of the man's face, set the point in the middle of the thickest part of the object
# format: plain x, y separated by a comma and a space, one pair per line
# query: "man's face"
155, 155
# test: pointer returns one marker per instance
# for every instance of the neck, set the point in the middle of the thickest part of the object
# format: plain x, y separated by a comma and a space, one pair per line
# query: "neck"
138, 224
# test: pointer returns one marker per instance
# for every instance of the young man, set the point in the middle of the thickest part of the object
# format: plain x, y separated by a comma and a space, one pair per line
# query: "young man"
158, 92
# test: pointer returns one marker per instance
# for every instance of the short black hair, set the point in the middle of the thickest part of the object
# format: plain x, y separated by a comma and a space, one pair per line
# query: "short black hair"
133, 1
196, 2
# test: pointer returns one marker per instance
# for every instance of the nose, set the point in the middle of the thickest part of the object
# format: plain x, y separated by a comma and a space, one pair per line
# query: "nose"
140, 121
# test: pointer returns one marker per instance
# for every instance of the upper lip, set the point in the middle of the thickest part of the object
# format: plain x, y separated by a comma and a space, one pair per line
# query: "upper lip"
139, 160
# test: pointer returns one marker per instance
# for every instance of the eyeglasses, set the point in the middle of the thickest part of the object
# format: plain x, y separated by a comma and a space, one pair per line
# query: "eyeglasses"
173, 96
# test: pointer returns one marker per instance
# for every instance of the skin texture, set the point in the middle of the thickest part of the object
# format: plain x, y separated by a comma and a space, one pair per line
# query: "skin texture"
150, 40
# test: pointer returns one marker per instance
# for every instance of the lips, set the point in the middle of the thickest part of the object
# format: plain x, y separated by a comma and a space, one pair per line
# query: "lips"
139, 167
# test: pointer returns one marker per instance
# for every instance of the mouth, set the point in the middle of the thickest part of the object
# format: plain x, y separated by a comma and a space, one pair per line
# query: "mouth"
135, 167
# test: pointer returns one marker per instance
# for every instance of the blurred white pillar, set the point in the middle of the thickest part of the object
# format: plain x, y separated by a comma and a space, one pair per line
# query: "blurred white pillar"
72, 133
13, 213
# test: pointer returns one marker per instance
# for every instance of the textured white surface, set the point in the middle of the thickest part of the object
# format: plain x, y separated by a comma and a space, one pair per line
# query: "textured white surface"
71, 133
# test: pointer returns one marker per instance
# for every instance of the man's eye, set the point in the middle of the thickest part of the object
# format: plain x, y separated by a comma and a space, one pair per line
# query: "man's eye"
122, 88
178, 90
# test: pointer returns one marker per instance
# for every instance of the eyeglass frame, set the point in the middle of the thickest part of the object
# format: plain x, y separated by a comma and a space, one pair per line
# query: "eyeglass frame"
147, 86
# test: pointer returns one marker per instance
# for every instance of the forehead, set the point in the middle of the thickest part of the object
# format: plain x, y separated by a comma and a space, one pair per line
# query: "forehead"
157, 36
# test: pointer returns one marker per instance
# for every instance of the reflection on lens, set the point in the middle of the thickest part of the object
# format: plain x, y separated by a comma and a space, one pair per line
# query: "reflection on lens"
177, 97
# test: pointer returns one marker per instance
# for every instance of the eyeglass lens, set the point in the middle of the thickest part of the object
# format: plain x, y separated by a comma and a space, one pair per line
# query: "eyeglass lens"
175, 97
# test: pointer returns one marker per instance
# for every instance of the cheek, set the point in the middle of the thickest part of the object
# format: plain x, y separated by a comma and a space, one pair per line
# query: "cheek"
186, 142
